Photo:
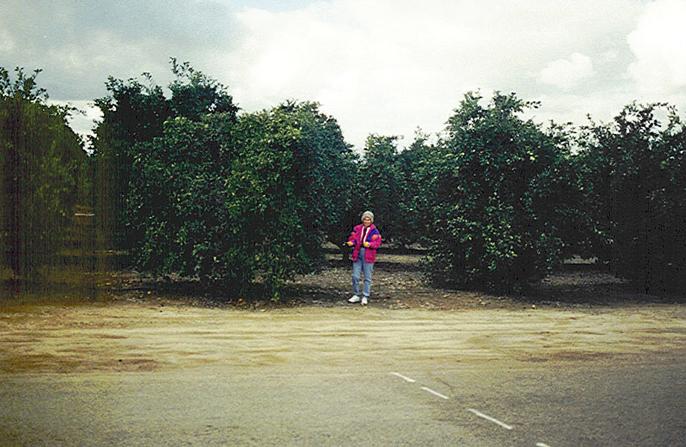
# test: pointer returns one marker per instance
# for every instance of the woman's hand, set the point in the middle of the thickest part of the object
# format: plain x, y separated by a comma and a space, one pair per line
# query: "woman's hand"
366, 245
349, 244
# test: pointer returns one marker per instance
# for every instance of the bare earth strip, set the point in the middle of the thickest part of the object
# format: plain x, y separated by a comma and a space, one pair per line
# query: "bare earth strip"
123, 373
145, 337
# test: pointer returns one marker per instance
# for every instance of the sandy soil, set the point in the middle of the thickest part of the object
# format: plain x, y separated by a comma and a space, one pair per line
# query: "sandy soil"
147, 336
133, 323
398, 284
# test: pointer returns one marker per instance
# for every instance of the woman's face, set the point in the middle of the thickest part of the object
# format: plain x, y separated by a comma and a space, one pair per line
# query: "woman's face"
366, 221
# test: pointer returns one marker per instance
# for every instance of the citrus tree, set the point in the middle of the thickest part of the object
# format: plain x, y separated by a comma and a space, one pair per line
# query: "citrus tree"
635, 191
231, 201
134, 112
506, 195
42, 168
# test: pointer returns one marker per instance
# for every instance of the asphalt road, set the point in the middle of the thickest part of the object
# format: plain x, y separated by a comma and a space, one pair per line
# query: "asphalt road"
342, 378
629, 405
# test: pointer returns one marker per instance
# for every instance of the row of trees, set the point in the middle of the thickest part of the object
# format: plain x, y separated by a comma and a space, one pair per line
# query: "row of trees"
43, 173
633, 174
188, 185
501, 201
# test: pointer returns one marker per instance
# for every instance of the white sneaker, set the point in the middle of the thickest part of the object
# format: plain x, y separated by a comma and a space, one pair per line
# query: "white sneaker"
364, 300
355, 299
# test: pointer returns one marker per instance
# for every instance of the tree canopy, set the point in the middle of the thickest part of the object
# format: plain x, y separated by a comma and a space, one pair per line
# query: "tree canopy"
635, 187
42, 171
506, 193
187, 185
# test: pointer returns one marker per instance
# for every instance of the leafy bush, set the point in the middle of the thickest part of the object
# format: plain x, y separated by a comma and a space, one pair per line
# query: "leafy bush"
42, 164
397, 185
135, 113
635, 191
418, 187
233, 201
325, 173
507, 192
381, 185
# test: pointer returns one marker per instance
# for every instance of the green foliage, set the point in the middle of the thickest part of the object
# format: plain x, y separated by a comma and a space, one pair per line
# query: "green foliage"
381, 184
419, 183
230, 201
325, 169
635, 189
506, 193
194, 190
397, 186
194, 94
176, 199
189, 187
23, 86
42, 164
134, 113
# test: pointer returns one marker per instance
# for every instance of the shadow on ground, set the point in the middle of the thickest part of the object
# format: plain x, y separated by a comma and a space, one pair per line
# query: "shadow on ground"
398, 283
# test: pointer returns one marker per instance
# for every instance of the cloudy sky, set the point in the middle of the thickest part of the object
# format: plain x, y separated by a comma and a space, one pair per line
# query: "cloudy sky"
384, 67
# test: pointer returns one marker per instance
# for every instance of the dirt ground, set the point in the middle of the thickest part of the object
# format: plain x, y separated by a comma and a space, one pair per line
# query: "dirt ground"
123, 359
398, 284
139, 324
125, 336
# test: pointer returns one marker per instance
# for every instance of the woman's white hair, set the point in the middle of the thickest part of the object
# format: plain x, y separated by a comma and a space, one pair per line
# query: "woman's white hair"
368, 214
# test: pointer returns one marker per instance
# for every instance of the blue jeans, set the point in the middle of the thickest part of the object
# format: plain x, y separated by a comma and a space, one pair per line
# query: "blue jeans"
358, 267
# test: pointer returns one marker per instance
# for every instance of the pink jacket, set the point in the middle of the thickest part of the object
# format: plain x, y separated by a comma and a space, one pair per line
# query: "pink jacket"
374, 239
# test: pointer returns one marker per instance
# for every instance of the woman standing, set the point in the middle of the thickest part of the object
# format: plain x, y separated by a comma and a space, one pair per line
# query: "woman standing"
365, 239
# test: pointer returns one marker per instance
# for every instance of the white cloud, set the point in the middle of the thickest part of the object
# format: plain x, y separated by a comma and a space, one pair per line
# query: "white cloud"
386, 66
6, 41
390, 66
567, 73
658, 44
82, 121
575, 108
104, 51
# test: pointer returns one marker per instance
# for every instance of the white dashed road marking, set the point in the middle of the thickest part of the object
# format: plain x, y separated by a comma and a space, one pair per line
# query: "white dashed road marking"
435, 393
476, 412
487, 417
405, 378
540, 444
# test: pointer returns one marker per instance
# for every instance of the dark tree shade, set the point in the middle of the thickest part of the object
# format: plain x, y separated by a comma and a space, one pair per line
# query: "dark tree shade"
134, 113
506, 193
42, 164
635, 188
227, 201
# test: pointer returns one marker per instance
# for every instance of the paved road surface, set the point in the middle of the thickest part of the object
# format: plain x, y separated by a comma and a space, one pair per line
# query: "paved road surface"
611, 389
630, 405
